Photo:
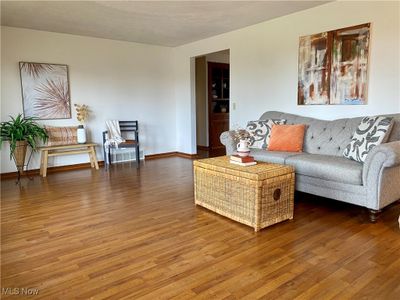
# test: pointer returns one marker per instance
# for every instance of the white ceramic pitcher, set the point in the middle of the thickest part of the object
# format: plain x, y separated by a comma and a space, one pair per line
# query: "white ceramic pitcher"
242, 148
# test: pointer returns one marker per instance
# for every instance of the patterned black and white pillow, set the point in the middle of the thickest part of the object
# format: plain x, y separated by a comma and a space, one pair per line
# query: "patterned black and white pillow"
260, 132
371, 132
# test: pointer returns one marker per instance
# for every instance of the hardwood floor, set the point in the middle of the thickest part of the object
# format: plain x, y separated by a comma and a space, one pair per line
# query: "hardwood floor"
130, 234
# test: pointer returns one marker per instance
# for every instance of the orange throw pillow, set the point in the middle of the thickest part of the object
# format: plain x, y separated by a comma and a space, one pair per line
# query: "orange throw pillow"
287, 138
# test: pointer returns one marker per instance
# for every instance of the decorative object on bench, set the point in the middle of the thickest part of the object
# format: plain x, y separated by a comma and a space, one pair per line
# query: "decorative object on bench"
51, 151
21, 132
258, 196
45, 90
322, 170
112, 138
81, 134
59, 136
82, 114
287, 138
333, 66
260, 132
371, 132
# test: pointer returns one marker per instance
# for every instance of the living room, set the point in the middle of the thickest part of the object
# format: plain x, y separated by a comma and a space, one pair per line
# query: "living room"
157, 243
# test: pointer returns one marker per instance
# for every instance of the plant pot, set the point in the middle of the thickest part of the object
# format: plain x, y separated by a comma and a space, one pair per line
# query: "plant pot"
81, 134
19, 154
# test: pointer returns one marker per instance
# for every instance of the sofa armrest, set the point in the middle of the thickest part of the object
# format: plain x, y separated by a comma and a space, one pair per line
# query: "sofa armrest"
383, 157
227, 139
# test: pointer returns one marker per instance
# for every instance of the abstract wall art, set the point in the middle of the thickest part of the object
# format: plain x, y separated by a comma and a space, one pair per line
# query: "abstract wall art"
333, 67
45, 90
314, 69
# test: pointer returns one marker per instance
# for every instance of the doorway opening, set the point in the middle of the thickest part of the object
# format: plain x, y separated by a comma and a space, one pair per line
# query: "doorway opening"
212, 86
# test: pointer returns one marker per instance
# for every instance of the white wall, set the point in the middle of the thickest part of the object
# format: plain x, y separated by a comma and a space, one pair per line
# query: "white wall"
118, 80
263, 65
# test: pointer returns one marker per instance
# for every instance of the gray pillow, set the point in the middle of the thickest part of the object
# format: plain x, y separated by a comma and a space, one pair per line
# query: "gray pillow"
371, 132
260, 132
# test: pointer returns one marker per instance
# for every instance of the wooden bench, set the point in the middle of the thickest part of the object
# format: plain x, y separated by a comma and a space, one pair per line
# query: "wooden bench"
49, 151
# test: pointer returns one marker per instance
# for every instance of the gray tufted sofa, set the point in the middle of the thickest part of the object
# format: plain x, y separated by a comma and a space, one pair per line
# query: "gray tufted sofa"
322, 170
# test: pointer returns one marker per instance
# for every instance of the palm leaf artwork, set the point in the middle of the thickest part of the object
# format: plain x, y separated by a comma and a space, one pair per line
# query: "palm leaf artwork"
35, 69
45, 90
53, 100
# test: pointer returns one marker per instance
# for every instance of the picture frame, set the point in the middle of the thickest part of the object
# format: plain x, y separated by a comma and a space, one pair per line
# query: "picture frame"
45, 90
333, 67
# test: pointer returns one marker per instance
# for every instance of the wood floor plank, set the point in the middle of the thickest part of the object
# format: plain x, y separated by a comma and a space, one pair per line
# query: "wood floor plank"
136, 234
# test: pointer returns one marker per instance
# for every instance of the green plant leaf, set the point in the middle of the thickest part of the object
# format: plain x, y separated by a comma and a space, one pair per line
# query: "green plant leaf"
22, 129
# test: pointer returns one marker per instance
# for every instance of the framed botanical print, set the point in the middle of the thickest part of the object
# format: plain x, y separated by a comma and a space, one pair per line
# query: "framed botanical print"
45, 90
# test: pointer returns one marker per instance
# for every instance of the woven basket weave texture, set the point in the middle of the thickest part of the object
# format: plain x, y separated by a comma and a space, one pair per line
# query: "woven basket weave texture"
258, 196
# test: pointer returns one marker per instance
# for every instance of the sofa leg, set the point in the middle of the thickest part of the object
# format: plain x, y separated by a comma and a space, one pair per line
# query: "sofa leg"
373, 215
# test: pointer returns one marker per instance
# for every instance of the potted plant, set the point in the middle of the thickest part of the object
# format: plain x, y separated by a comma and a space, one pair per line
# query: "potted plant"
21, 132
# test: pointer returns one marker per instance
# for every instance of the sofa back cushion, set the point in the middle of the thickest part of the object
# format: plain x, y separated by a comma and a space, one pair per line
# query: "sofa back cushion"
329, 137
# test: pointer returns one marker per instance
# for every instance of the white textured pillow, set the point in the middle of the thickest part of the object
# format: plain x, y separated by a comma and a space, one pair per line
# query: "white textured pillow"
371, 132
260, 132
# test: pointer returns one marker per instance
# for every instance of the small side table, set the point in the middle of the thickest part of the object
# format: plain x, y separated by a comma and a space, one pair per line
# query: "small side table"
49, 151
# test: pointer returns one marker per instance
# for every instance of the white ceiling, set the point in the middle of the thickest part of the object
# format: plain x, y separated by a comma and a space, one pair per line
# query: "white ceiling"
166, 23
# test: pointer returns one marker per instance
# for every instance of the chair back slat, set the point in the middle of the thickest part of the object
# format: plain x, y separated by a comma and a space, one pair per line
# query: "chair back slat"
128, 125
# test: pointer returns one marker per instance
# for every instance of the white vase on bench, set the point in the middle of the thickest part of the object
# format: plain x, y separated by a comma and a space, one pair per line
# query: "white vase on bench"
81, 135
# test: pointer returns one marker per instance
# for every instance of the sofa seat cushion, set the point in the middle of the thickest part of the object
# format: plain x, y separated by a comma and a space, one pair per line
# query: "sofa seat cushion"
328, 167
274, 157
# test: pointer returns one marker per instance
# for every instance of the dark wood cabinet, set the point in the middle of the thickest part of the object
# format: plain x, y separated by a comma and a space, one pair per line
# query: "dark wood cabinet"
218, 102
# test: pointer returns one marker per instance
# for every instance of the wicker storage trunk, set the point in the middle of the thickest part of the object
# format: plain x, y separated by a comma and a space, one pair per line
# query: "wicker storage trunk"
258, 196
